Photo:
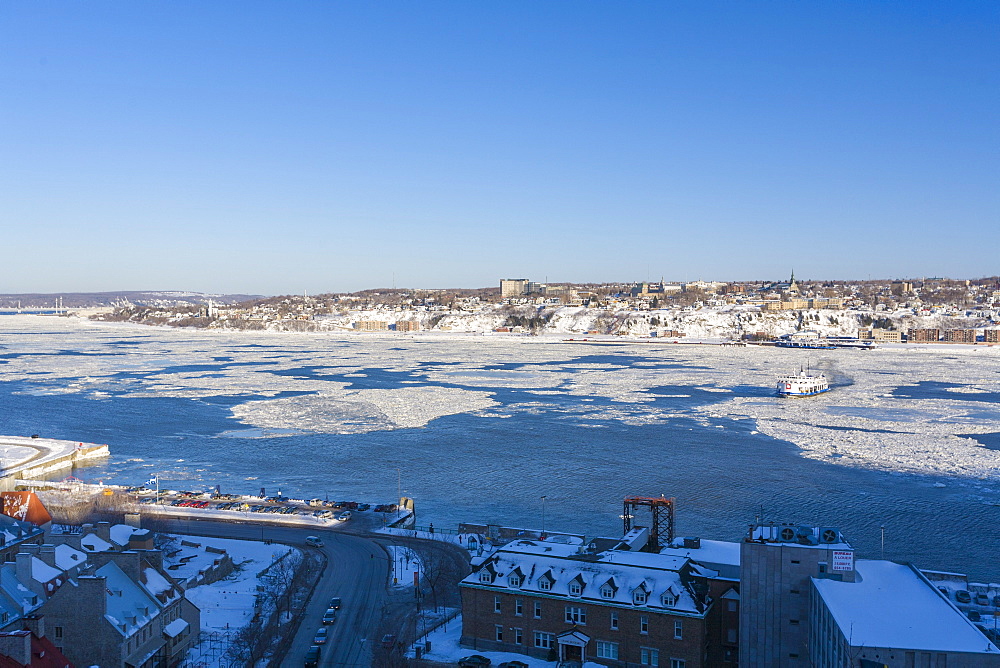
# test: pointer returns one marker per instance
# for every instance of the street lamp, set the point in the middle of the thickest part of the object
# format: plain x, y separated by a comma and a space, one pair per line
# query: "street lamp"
543, 516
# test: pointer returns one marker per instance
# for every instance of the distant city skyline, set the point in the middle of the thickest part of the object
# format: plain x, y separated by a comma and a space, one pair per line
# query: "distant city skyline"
273, 148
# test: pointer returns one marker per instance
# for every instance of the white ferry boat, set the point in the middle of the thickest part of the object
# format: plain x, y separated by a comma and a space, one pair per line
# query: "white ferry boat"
802, 385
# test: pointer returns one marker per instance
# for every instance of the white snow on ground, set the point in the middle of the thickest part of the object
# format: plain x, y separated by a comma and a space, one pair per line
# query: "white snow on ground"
226, 605
444, 648
405, 563
858, 423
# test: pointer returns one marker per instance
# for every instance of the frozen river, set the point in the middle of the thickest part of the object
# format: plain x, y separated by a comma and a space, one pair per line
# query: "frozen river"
481, 427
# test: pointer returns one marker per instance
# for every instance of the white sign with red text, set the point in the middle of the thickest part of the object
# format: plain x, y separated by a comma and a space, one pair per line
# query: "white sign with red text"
843, 560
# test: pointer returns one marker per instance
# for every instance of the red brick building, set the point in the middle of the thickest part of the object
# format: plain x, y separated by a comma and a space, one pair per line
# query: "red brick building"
960, 335
571, 602
923, 335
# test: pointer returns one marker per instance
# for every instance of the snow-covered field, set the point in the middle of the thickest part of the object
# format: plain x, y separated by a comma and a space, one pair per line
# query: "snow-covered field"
226, 605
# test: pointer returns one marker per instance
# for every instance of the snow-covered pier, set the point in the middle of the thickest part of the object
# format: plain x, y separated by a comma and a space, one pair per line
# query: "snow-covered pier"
24, 457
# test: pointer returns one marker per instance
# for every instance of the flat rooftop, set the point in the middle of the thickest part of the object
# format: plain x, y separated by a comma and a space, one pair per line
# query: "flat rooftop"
891, 606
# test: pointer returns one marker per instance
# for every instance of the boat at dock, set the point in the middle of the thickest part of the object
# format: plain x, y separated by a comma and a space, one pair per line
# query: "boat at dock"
802, 384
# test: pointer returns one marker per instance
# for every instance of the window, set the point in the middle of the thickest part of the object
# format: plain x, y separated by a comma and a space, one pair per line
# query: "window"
677, 663
607, 650
639, 597
518, 607
499, 630
731, 635
543, 640
496, 604
538, 610
485, 577
644, 624
607, 592
649, 656
576, 614
669, 600
678, 630
515, 581
545, 584
58, 632
731, 605
795, 561
793, 622
614, 621
518, 636
575, 588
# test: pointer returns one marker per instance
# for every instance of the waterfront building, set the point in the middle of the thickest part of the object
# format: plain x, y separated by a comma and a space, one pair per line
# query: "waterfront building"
923, 335
806, 602
371, 326
579, 602
960, 335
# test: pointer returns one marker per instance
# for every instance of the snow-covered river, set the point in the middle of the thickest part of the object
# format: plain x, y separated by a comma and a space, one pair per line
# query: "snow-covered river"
480, 428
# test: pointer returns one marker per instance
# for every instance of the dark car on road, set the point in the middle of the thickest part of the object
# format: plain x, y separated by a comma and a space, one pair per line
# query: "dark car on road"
330, 616
335, 603
312, 657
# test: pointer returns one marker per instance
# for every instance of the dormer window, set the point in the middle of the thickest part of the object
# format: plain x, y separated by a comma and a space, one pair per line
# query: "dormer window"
545, 584
639, 596
575, 588
514, 580
485, 577
669, 600
607, 591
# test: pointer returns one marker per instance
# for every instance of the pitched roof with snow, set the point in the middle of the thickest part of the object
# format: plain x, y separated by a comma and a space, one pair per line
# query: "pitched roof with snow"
15, 597
68, 557
120, 534
158, 586
129, 606
94, 543
891, 606
661, 577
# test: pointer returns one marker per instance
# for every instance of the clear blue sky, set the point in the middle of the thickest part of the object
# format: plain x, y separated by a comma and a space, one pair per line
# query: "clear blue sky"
325, 146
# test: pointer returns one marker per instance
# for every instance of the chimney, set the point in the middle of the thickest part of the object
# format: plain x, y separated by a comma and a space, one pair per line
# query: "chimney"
17, 645
47, 553
103, 531
35, 624
23, 567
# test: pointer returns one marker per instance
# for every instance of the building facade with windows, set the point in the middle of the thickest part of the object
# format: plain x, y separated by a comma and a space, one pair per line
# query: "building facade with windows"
570, 602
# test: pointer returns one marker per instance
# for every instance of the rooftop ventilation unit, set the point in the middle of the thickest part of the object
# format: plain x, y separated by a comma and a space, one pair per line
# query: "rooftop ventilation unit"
829, 535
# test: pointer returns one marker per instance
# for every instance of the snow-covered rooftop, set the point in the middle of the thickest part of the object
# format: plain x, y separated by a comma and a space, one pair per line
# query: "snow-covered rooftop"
129, 607
613, 577
120, 534
68, 557
719, 555
94, 543
890, 605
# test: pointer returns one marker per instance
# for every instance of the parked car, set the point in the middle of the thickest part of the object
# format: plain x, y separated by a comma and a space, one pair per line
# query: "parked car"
974, 616
330, 616
963, 596
314, 541
474, 661
982, 599
388, 640
363, 507
312, 657
321, 635
344, 516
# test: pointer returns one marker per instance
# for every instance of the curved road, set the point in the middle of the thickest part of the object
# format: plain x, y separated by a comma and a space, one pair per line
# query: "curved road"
357, 571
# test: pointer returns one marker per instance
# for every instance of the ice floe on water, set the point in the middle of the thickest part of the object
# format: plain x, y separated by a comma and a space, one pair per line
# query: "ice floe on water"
915, 409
